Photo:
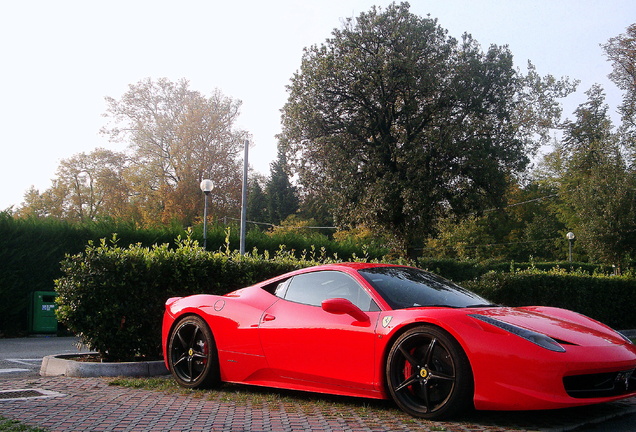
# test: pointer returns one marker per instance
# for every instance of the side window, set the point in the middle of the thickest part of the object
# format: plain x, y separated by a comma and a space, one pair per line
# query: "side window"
277, 288
313, 288
281, 288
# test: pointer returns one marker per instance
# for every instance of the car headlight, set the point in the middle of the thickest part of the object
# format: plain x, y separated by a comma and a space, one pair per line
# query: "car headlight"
536, 338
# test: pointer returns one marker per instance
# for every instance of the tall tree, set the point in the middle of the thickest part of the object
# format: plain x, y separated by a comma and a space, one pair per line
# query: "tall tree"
257, 201
400, 124
596, 185
86, 186
282, 199
621, 51
177, 137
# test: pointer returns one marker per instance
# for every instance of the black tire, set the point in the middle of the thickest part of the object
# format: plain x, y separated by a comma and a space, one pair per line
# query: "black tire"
192, 354
428, 374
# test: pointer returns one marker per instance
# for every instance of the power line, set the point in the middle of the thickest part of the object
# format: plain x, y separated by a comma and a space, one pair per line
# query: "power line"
523, 202
491, 244
541, 198
281, 226
331, 227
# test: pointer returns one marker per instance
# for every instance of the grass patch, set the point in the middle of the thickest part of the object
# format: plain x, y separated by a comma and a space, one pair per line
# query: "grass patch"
7, 425
158, 384
263, 396
226, 393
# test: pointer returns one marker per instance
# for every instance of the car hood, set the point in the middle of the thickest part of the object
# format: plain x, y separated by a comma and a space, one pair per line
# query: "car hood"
559, 324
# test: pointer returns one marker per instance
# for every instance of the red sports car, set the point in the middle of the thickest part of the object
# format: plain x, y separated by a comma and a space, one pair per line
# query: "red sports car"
384, 331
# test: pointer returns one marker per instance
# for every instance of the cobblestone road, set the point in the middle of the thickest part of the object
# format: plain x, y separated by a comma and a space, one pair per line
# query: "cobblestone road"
83, 404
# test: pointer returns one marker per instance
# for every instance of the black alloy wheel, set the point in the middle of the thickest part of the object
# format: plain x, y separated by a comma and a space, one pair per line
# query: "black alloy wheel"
192, 355
428, 374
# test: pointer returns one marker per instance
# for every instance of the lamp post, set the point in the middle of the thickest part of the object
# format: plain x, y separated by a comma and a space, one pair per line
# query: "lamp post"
206, 187
570, 236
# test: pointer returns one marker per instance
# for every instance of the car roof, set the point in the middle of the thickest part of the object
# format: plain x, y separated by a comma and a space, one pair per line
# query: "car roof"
349, 265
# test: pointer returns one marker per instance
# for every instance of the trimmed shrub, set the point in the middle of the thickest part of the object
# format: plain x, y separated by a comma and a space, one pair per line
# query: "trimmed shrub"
114, 297
459, 271
609, 299
30, 253
31, 250
454, 270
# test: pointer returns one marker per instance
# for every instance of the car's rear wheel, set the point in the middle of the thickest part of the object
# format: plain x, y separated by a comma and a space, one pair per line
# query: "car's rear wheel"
192, 355
428, 374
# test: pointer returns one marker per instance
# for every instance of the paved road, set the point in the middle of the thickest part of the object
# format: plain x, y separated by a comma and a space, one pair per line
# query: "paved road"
625, 423
23, 356
75, 404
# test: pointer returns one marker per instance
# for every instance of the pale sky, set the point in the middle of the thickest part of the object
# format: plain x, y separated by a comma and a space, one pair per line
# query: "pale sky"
59, 59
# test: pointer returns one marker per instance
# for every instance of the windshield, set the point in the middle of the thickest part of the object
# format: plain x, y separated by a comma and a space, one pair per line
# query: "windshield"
406, 287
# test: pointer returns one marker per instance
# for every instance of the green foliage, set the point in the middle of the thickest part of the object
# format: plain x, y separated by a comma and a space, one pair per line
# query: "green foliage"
398, 125
282, 199
457, 271
528, 227
609, 299
114, 297
256, 203
177, 137
85, 187
596, 183
310, 244
460, 271
31, 250
621, 51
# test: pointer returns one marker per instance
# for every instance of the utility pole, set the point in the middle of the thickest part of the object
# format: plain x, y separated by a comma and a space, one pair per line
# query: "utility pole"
244, 200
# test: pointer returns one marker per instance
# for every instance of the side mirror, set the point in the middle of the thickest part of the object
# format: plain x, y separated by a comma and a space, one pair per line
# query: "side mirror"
340, 306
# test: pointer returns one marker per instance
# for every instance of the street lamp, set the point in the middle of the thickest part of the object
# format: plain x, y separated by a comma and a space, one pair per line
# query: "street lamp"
570, 236
206, 187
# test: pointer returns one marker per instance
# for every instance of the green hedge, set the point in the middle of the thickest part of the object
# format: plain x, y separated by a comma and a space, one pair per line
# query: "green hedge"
114, 297
31, 250
609, 299
460, 271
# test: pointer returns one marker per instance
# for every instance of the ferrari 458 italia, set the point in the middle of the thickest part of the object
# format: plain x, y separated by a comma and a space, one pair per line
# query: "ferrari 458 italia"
385, 331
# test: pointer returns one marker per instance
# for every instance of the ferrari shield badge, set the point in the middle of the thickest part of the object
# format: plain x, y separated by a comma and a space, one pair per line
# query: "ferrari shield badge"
386, 321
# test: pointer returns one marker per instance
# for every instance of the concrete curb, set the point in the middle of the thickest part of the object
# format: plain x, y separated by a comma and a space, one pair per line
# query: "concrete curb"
62, 364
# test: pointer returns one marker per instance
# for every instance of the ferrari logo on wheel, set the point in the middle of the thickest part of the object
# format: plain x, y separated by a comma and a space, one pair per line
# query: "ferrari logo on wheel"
386, 321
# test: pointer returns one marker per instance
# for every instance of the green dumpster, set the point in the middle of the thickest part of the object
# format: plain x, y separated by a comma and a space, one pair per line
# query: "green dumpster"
42, 312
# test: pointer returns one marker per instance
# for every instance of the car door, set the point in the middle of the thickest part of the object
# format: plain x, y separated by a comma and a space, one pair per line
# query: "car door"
306, 344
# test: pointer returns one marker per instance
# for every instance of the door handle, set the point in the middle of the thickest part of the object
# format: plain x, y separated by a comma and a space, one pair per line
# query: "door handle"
268, 317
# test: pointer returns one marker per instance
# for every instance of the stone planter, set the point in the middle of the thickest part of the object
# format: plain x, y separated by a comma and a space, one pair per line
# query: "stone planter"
66, 365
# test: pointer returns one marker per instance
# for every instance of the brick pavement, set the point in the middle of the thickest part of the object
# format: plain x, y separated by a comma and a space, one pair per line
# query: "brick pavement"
91, 404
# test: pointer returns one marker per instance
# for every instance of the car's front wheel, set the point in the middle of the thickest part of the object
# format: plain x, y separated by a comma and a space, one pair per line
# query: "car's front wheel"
192, 355
428, 374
